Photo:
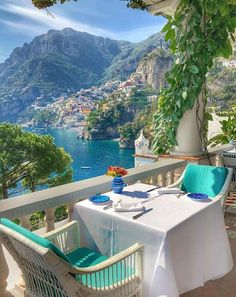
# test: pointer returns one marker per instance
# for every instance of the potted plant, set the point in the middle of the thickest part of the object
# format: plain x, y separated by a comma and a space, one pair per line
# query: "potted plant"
228, 127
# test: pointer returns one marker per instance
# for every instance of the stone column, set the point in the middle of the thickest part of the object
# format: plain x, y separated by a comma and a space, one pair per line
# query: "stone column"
70, 208
188, 135
25, 222
50, 219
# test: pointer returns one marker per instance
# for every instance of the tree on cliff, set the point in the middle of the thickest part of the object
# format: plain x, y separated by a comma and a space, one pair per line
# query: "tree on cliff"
31, 160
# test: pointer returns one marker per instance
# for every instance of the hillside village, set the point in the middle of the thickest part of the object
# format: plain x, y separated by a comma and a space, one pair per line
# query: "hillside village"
71, 111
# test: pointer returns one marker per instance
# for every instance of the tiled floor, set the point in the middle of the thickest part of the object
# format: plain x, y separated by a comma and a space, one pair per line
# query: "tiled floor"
225, 286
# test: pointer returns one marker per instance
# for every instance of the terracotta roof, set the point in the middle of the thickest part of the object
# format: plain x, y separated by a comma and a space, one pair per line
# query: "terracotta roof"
186, 158
147, 156
128, 84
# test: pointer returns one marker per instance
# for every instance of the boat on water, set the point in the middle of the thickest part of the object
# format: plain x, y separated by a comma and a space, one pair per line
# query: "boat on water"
85, 167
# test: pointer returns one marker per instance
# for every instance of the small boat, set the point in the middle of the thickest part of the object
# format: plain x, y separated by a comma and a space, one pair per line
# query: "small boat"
85, 167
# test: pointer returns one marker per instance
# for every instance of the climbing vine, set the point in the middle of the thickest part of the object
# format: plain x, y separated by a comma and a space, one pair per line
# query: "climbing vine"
198, 32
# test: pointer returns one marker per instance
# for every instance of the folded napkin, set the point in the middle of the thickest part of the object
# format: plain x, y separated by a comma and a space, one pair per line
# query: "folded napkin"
169, 191
126, 206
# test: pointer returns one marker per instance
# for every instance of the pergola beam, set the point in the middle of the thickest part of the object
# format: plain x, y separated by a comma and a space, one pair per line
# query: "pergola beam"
165, 7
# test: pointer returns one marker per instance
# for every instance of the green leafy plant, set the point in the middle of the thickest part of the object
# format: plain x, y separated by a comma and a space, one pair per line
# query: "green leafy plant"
228, 128
198, 32
30, 159
129, 131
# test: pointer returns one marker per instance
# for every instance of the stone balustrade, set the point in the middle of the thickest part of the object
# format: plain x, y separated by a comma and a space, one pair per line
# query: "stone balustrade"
163, 173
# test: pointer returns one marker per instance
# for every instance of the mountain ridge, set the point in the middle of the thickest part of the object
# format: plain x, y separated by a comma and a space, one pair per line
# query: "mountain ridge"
64, 61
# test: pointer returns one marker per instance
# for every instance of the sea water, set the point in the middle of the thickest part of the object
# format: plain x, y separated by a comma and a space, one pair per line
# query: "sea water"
97, 154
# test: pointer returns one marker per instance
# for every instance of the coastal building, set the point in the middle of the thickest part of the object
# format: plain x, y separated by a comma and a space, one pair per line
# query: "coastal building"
152, 98
229, 64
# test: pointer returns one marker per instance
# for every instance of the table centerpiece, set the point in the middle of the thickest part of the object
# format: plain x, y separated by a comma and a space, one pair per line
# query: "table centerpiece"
118, 182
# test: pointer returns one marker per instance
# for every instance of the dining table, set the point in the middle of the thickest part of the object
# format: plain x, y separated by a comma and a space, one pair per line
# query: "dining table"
185, 241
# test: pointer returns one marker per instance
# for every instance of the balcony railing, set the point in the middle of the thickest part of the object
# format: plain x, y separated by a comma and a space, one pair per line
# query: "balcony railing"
163, 172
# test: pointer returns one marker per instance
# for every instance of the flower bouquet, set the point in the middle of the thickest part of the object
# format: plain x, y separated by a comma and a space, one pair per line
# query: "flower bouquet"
117, 183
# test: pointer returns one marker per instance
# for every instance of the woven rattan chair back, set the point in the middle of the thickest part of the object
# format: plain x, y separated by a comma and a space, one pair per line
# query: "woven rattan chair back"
48, 275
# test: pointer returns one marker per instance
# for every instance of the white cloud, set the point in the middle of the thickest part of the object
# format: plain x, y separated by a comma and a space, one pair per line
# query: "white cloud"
140, 34
30, 30
57, 22
3, 58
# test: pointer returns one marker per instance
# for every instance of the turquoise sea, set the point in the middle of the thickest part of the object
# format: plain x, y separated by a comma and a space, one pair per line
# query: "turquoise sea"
98, 154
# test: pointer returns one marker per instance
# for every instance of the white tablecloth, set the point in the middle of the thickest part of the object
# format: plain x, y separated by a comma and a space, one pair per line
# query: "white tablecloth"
185, 241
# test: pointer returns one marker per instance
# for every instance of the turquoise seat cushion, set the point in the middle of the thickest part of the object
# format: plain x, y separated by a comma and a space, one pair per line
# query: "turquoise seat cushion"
84, 257
81, 257
208, 180
35, 238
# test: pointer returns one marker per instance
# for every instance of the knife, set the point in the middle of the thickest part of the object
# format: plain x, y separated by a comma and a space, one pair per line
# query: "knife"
157, 187
142, 213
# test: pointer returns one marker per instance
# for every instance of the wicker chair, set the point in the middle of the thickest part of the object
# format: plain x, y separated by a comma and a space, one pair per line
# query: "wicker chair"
50, 272
210, 180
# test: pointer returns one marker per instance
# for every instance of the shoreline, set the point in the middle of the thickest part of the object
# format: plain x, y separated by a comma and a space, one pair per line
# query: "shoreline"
69, 129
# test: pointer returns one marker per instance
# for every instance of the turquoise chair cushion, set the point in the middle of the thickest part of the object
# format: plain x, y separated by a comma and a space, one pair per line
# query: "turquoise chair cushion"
84, 257
81, 257
208, 180
35, 238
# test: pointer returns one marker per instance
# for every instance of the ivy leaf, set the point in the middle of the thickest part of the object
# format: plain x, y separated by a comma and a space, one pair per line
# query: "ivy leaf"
185, 81
208, 116
226, 50
194, 69
167, 27
178, 104
170, 35
184, 94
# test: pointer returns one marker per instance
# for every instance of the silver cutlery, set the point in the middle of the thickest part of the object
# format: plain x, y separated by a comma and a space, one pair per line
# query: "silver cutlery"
180, 194
142, 213
108, 206
157, 187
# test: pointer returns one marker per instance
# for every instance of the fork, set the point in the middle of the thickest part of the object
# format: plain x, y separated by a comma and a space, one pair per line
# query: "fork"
180, 194
110, 206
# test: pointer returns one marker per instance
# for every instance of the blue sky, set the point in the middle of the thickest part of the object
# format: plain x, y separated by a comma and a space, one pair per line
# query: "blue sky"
20, 21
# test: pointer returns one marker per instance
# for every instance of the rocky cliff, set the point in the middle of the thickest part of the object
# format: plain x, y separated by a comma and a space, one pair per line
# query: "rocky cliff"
153, 67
